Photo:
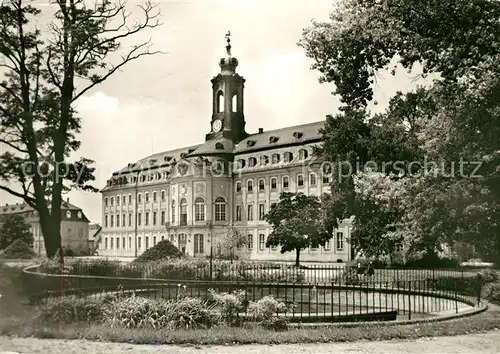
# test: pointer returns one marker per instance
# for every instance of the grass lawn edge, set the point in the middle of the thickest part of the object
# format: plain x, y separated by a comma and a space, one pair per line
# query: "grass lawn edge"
487, 320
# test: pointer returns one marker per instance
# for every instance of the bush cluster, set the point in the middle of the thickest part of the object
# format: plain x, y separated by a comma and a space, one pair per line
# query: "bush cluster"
162, 250
18, 250
181, 269
222, 309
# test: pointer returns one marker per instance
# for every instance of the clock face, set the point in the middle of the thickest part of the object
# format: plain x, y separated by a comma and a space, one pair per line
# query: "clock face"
217, 125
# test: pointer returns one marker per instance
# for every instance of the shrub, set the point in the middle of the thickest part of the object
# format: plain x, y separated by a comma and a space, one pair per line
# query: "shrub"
265, 312
490, 276
190, 313
229, 305
162, 250
18, 250
71, 310
492, 293
137, 312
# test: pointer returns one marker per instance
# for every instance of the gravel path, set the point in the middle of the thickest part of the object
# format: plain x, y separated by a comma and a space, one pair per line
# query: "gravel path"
474, 343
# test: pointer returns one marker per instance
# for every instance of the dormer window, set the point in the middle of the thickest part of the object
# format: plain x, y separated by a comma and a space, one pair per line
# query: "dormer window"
273, 139
250, 143
152, 161
264, 160
252, 162
288, 157
241, 163
68, 214
303, 154
167, 158
219, 146
183, 155
275, 158
79, 215
297, 135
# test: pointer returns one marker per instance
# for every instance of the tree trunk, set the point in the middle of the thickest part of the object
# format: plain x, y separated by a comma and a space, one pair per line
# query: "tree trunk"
297, 257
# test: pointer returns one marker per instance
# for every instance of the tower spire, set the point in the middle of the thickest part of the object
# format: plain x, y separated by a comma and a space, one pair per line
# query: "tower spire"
228, 38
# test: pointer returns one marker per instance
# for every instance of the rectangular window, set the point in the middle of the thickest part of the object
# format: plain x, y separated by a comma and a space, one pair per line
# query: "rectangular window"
154, 217
262, 212
340, 241
111, 241
250, 241
162, 196
106, 243
163, 217
146, 221
154, 241
139, 198
154, 197
106, 221
238, 213
139, 219
326, 180
146, 197
312, 179
147, 242
173, 214
106, 201
112, 221
129, 219
117, 220
118, 203
130, 198
130, 243
300, 181
124, 198
123, 220
123, 242
112, 201
285, 182
250, 212
139, 243
273, 183
198, 244
262, 241
117, 239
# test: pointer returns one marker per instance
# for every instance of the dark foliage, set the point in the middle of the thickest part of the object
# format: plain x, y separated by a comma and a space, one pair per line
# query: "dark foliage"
162, 250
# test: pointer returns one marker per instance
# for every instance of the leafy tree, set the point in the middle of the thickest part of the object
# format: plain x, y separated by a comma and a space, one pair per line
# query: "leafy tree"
162, 250
232, 240
297, 222
14, 228
454, 119
43, 77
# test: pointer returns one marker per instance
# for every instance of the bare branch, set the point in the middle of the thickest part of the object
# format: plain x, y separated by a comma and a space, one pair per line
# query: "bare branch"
132, 55
29, 200
11, 145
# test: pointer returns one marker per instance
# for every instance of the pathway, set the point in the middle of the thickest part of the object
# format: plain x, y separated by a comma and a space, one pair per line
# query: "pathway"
487, 343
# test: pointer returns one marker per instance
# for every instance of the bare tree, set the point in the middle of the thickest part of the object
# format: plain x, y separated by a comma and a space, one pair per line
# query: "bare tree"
43, 75
232, 240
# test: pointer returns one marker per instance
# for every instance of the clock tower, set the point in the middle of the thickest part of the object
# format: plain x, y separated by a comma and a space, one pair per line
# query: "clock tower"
227, 120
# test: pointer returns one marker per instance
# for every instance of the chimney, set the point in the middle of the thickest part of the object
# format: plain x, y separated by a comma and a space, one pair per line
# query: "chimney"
261, 130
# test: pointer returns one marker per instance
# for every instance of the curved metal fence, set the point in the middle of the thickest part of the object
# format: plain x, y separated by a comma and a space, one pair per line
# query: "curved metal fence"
322, 294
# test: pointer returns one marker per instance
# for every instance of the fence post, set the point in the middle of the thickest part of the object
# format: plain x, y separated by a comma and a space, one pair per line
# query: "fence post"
409, 300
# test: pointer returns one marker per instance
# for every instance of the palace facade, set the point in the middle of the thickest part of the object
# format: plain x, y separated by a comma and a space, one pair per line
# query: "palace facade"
194, 195
74, 226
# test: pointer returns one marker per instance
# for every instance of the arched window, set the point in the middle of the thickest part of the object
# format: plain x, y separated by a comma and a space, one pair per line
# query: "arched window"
238, 187
274, 183
220, 101
262, 184
285, 182
288, 157
199, 209
300, 180
249, 185
235, 103
252, 162
264, 160
220, 209
183, 212
241, 163
312, 179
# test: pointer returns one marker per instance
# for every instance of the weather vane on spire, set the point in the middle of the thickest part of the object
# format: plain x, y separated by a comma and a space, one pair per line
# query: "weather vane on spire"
228, 38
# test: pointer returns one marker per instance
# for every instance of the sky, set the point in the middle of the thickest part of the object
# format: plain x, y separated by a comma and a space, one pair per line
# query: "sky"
163, 102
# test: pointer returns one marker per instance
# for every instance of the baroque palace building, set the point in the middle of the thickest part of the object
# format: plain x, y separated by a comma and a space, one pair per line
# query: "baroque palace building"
74, 226
192, 196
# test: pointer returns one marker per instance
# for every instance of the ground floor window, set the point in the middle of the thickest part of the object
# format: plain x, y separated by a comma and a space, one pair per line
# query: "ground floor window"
198, 244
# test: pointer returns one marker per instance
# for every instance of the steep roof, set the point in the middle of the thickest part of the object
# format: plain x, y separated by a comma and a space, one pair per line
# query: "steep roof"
297, 134
20, 208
